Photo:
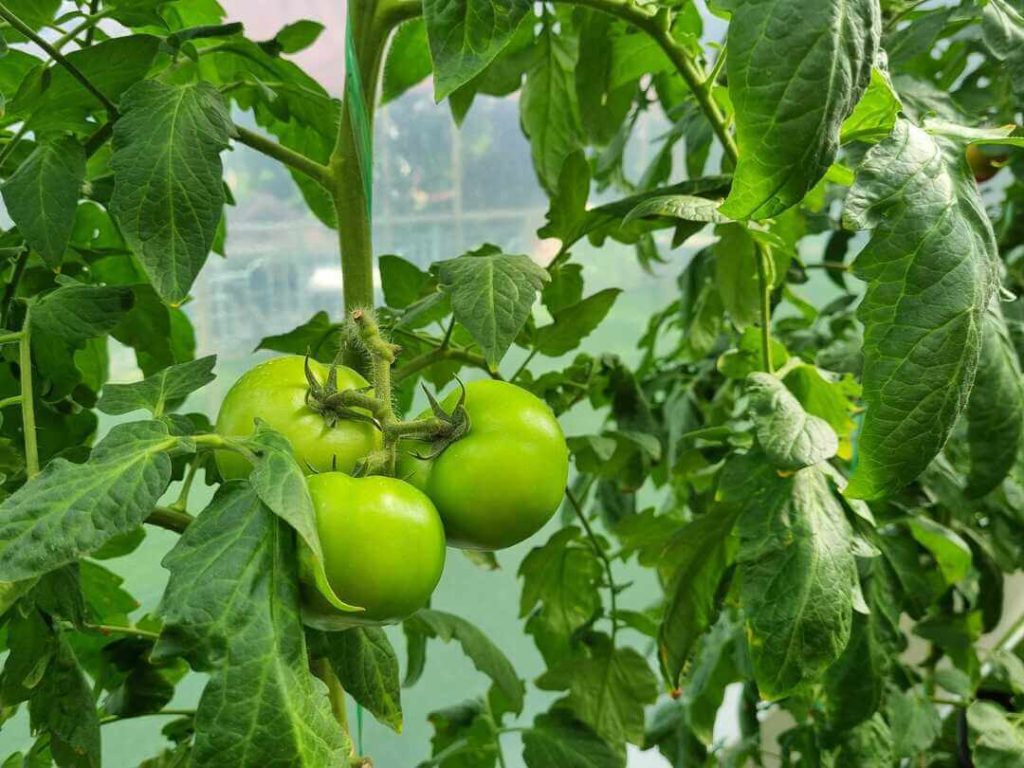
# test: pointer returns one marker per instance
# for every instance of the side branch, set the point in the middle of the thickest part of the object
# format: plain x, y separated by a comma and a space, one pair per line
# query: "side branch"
318, 172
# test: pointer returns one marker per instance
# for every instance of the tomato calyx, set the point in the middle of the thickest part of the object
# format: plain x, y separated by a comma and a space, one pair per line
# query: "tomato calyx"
335, 404
447, 427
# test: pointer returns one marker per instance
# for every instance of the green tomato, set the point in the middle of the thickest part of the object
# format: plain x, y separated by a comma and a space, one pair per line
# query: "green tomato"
275, 391
383, 546
504, 480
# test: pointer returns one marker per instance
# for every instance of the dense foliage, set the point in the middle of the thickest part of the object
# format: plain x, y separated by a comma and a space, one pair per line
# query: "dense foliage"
830, 494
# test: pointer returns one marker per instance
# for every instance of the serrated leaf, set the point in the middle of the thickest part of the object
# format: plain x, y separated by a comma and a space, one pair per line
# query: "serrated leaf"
466, 35
232, 608
42, 196
995, 741
915, 722
790, 437
931, 271
548, 109
155, 392
682, 207
692, 566
556, 740
995, 409
168, 192
298, 35
71, 510
876, 112
63, 320
797, 572
736, 275
714, 668
492, 294
607, 690
562, 576
402, 282
367, 668
570, 325
796, 70
484, 654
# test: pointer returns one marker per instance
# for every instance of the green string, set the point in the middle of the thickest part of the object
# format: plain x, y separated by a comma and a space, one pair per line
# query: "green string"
359, 118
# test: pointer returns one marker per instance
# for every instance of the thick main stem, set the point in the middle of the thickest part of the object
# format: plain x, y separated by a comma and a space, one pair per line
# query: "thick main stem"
351, 170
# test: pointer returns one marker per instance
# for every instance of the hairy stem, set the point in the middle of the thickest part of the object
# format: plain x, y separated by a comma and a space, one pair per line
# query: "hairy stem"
322, 669
289, 157
113, 629
58, 57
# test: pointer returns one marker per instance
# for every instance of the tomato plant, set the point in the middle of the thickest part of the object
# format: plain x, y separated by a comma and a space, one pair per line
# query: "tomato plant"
785, 525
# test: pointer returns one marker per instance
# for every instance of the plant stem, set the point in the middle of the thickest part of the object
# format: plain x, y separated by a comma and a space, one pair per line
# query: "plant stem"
295, 160
181, 503
113, 629
28, 414
11, 338
93, 18
8, 150
382, 356
602, 556
15, 400
58, 57
322, 669
761, 257
176, 520
160, 713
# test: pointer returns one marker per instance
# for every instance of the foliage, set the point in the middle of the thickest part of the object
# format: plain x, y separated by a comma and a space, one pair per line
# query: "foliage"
817, 486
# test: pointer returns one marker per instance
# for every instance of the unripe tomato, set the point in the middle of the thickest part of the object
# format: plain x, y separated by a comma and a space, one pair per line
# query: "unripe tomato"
383, 545
504, 480
985, 163
275, 391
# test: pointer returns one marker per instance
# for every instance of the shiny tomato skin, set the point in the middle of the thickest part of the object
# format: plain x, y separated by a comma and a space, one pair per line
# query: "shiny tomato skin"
504, 480
275, 391
383, 545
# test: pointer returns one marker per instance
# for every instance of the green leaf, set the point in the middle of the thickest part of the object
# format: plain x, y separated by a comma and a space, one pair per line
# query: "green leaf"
36, 13
298, 35
136, 13
995, 741
466, 35
484, 654
556, 740
714, 668
367, 667
168, 193
682, 207
915, 722
281, 484
736, 275
408, 62
491, 294
63, 706
318, 337
607, 690
63, 320
42, 196
790, 437
796, 70
875, 115
232, 609
71, 510
693, 564
950, 551
562, 576
548, 109
995, 409
797, 572
402, 282
930, 268
155, 392
570, 325
870, 743
53, 100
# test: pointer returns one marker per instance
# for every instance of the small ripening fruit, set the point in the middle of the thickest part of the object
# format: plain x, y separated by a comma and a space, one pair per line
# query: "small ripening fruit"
504, 480
275, 391
985, 162
383, 546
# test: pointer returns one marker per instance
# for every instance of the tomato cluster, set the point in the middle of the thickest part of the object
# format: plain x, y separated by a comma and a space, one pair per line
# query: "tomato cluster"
383, 538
